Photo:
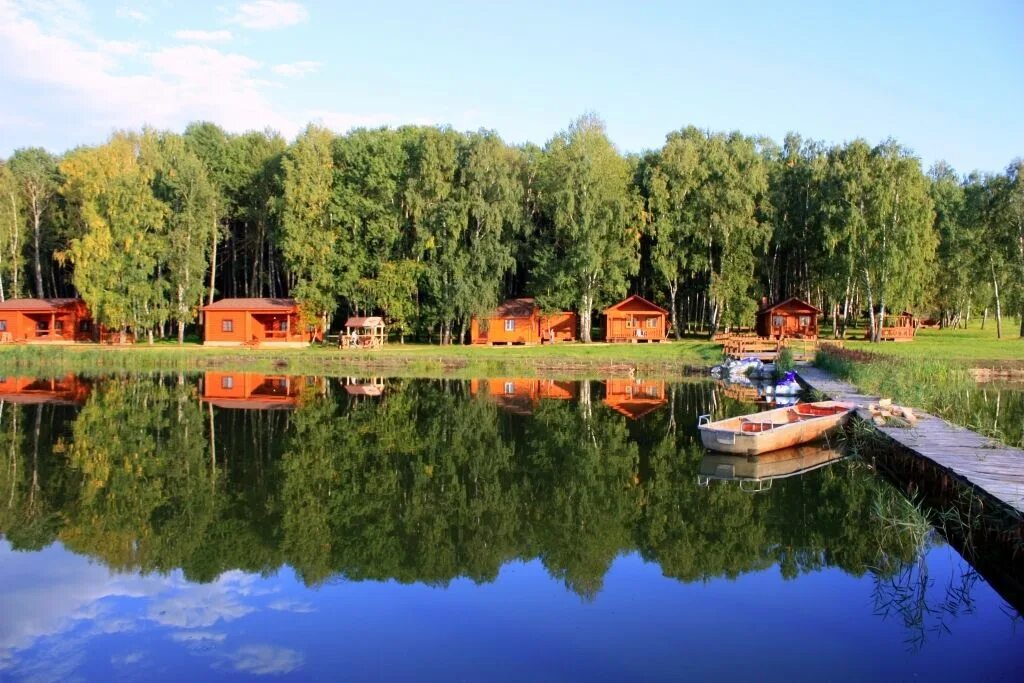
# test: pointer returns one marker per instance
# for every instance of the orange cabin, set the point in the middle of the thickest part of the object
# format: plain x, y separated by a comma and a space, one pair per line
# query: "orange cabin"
252, 391
45, 320
634, 398
68, 390
277, 322
635, 319
793, 318
519, 321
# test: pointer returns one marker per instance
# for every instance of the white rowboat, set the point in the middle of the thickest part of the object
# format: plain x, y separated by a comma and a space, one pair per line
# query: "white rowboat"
773, 429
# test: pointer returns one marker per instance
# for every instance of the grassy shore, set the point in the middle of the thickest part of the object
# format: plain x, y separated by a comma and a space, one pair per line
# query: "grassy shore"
937, 372
560, 360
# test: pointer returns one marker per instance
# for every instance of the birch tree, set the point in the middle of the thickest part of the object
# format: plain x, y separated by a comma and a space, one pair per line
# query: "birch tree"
36, 172
589, 240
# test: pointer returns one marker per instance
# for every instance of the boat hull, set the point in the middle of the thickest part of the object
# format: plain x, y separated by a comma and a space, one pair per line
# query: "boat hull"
774, 429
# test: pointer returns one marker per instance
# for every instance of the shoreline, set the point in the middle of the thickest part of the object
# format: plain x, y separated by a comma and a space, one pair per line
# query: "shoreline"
597, 360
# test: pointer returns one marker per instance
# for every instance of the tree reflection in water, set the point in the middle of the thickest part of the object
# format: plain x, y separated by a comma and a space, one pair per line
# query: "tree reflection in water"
426, 482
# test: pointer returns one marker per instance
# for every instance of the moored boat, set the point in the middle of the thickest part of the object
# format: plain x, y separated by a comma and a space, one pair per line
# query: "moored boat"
773, 429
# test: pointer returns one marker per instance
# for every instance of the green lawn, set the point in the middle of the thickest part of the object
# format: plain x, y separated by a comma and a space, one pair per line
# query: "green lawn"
668, 359
971, 345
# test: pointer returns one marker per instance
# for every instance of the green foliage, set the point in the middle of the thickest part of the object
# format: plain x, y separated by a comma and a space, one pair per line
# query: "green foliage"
589, 237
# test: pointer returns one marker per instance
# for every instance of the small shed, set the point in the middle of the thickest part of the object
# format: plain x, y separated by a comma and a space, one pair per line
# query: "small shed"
255, 321
367, 332
793, 318
899, 327
635, 319
45, 320
520, 321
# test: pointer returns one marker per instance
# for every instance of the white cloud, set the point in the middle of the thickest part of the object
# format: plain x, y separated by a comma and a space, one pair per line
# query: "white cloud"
266, 659
203, 605
198, 637
133, 14
291, 606
297, 69
118, 47
167, 87
196, 36
263, 15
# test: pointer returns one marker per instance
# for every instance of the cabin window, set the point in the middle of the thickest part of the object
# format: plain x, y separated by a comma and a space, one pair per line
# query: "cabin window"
3, 325
510, 325
58, 326
227, 382
805, 321
510, 388
42, 326
227, 325
284, 325
629, 323
777, 321
652, 323
85, 326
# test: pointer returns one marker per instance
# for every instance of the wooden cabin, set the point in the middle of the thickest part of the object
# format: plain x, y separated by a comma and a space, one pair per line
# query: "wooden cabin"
363, 333
256, 322
45, 320
520, 321
520, 395
634, 398
792, 318
635, 319
252, 391
67, 390
898, 327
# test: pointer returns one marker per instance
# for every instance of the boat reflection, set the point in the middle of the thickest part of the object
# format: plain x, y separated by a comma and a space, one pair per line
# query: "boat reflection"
757, 472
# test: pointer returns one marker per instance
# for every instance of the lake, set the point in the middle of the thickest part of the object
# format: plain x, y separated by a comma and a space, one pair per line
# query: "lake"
240, 526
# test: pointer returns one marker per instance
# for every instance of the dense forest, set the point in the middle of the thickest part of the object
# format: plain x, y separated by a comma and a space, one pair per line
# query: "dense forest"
429, 226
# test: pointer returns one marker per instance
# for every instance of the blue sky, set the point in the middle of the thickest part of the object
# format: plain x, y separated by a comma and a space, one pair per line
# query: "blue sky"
945, 79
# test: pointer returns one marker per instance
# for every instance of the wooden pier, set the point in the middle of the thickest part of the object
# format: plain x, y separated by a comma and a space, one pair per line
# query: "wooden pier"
988, 465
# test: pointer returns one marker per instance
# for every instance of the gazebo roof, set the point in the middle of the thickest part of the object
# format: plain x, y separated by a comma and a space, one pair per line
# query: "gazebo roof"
368, 321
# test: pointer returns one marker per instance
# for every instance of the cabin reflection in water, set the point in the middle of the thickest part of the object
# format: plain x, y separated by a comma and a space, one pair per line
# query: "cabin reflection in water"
67, 390
254, 391
635, 398
757, 472
521, 395
364, 387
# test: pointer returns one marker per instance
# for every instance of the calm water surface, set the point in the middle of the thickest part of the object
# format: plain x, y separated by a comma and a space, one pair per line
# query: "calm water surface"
243, 526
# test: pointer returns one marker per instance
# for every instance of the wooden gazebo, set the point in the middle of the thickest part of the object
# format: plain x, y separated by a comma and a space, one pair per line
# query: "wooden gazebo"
363, 333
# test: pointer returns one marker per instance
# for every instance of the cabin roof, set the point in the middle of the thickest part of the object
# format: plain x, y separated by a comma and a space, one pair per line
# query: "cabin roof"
366, 321
38, 305
522, 307
635, 302
788, 302
252, 304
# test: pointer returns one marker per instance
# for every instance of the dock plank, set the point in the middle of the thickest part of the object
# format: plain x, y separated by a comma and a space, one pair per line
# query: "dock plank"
995, 468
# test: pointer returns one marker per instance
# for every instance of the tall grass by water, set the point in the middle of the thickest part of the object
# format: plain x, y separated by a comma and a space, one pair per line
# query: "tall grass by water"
937, 385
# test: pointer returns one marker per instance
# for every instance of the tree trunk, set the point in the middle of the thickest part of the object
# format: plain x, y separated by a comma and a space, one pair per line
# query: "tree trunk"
672, 289
37, 215
873, 332
999, 311
1022, 321
984, 318
586, 306
181, 332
